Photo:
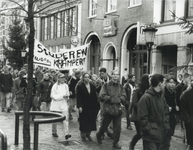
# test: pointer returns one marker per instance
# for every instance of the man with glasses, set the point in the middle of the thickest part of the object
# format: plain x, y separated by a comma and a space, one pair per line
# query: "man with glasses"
112, 94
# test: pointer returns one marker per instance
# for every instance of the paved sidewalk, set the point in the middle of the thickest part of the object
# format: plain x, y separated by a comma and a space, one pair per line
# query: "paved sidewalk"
47, 142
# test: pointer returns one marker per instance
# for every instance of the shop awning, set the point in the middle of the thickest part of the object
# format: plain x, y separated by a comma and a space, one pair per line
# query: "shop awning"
166, 45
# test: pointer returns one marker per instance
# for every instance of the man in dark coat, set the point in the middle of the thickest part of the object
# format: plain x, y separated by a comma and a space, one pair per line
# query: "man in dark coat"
72, 84
43, 92
129, 87
6, 85
153, 114
182, 87
179, 90
187, 114
112, 93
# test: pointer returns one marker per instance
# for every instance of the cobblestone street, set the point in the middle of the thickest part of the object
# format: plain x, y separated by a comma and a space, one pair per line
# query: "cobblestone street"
47, 142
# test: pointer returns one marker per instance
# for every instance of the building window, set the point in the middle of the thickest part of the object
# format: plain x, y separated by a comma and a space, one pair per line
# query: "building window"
111, 5
66, 31
42, 27
133, 3
59, 24
92, 8
52, 27
74, 21
168, 6
46, 29
189, 8
190, 53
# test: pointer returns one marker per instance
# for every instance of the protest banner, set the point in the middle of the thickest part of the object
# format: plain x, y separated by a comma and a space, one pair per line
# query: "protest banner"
65, 60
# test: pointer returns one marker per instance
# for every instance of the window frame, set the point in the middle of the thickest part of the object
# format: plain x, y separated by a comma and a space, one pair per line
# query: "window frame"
186, 10
163, 13
91, 8
60, 24
130, 3
108, 6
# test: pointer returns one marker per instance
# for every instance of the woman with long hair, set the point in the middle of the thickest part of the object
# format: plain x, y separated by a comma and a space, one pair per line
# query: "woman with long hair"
88, 106
137, 93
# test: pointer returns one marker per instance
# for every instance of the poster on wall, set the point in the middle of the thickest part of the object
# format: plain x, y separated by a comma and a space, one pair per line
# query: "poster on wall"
65, 60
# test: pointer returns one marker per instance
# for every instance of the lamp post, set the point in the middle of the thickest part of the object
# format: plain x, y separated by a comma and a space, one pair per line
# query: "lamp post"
149, 32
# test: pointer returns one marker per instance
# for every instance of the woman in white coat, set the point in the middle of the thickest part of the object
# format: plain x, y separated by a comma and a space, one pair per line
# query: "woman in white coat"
60, 95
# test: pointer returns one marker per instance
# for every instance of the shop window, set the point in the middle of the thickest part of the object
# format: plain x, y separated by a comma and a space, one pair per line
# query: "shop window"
111, 5
92, 8
168, 6
133, 3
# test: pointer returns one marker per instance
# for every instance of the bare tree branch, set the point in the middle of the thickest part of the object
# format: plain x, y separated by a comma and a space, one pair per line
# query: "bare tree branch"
35, 12
22, 8
186, 24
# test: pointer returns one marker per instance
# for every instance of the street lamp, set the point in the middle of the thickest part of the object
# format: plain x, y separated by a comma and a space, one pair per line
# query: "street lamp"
149, 32
23, 53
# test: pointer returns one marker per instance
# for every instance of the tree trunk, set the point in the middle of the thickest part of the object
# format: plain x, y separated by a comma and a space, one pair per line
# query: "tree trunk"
26, 121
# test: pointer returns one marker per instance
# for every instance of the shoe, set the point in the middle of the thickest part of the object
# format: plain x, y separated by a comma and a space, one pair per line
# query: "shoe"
110, 135
129, 128
67, 136
83, 138
89, 138
8, 110
117, 146
98, 139
2, 110
54, 134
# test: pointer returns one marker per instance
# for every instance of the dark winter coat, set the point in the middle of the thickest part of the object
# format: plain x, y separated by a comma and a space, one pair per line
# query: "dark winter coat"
90, 107
44, 90
187, 113
72, 86
179, 90
128, 92
6, 83
18, 90
153, 116
137, 93
170, 98
112, 93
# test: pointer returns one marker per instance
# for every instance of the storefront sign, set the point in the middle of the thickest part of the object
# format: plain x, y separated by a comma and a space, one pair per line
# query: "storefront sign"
109, 28
140, 33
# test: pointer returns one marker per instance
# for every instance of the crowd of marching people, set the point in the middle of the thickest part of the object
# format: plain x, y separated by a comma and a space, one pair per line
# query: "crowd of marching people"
155, 105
